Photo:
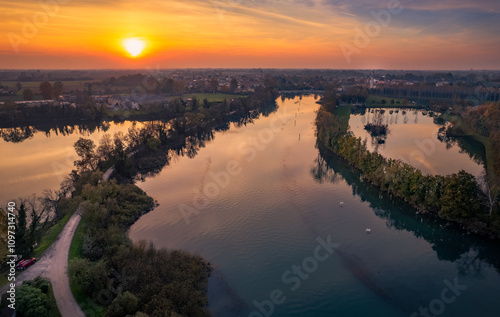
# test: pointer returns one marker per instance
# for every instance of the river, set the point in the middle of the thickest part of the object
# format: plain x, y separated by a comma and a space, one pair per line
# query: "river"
284, 224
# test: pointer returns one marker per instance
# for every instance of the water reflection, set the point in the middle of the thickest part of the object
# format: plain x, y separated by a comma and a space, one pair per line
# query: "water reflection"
23, 133
417, 137
451, 243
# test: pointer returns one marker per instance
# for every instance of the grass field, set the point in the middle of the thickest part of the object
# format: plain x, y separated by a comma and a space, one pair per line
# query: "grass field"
213, 97
34, 85
51, 236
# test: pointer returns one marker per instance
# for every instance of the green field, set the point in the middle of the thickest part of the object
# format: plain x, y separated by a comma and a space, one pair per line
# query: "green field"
51, 236
213, 96
33, 85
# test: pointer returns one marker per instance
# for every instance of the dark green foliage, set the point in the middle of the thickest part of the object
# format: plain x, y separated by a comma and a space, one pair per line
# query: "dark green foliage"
92, 277
457, 197
135, 278
31, 302
165, 280
124, 304
35, 299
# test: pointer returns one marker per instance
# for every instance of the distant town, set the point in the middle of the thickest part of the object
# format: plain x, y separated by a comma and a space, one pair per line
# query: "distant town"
133, 89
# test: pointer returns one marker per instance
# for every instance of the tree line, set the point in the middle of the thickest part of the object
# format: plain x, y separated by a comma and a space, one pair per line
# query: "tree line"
457, 197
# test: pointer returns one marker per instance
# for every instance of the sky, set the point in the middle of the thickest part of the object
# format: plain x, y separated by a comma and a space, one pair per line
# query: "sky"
345, 34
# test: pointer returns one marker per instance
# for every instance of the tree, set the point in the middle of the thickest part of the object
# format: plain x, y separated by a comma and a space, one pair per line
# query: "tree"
21, 230
123, 305
28, 94
234, 85
32, 302
85, 149
3, 236
214, 84
179, 86
46, 90
106, 148
57, 89
490, 193
9, 107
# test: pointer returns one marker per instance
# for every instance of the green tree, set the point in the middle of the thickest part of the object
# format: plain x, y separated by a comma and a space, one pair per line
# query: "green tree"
31, 302
28, 94
21, 229
92, 277
46, 90
57, 89
214, 84
3, 235
124, 304
233, 85
85, 149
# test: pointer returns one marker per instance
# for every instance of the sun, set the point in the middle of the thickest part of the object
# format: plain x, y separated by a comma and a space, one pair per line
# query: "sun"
134, 46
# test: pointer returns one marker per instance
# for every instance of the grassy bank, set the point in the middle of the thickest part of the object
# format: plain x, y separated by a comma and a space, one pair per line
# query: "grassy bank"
89, 306
213, 97
51, 236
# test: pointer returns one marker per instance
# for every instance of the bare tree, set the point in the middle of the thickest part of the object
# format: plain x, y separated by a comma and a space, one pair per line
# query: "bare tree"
490, 192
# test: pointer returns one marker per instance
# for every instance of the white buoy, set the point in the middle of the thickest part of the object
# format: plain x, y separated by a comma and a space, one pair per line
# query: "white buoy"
341, 204
368, 230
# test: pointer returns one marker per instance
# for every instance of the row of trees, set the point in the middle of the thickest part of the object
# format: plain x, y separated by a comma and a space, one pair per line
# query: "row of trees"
457, 197
51, 91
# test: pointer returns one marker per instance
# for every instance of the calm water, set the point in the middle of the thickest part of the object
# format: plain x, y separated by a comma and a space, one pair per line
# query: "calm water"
43, 160
413, 138
272, 195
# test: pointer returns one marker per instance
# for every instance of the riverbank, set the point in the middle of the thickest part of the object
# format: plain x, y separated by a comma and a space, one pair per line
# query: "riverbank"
456, 198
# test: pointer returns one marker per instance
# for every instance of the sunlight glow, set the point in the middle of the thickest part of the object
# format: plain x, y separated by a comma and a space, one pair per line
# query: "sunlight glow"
134, 46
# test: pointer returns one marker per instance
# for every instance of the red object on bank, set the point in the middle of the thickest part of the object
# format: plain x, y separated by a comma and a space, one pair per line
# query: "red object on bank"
23, 264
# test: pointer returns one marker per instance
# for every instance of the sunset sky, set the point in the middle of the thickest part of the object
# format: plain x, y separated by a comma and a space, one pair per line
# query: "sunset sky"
426, 34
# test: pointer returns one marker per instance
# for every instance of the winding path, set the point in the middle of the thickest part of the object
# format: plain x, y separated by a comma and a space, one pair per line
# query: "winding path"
53, 266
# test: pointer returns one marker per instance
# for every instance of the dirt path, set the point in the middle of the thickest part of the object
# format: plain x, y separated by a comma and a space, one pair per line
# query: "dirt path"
53, 265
